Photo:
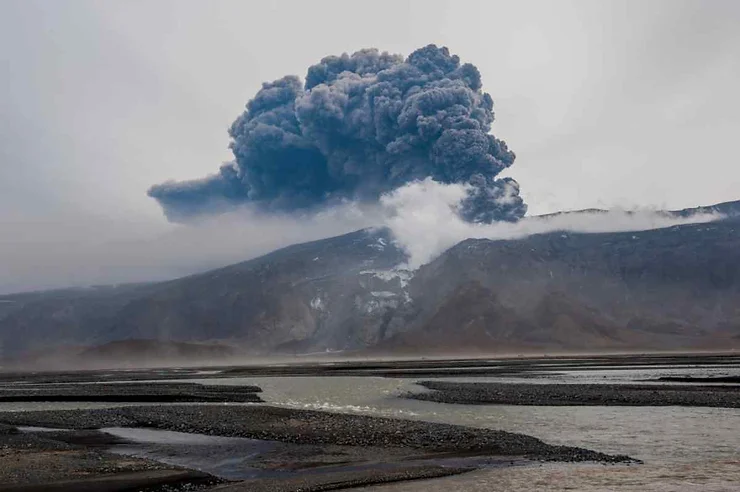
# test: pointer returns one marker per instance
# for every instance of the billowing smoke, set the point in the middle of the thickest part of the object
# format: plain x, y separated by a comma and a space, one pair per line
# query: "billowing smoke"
360, 125
425, 221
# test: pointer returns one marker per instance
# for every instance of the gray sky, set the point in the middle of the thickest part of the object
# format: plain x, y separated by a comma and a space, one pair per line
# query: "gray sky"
623, 103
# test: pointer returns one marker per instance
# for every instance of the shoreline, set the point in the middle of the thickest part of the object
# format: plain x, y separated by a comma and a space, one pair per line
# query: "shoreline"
302, 449
33, 462
309, 427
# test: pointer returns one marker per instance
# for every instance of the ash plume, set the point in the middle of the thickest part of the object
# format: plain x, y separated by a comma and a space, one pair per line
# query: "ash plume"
359, 126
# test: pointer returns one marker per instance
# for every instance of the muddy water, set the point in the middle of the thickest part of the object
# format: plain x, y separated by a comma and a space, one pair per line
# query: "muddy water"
711, 476
684, 448
237, 458
227, 457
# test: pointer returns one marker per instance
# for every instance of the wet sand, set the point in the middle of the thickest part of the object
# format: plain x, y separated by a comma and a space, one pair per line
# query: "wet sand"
32, 462
343, 479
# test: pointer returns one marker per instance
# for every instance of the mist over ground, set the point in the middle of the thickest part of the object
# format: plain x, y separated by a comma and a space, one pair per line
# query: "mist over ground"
71, 251
423, 217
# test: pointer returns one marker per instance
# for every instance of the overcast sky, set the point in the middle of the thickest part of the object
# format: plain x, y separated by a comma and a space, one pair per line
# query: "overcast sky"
606, 103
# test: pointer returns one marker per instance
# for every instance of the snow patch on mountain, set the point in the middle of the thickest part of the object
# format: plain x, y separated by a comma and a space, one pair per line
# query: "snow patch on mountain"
317, 303
403, 276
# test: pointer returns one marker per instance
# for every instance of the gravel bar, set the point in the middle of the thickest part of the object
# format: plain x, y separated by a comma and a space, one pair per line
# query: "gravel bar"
130, 392
694, 379
578, 394
312, 427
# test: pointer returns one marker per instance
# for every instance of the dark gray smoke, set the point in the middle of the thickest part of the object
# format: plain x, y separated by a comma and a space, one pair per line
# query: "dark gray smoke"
360, 126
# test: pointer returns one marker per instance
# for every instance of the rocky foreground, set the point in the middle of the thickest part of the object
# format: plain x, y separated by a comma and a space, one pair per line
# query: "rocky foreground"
726, 396
312, 428
304, 450
31, 462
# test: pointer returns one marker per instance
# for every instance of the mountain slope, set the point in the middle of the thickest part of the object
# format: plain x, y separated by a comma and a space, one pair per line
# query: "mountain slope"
666, 288
301, 292
673, 288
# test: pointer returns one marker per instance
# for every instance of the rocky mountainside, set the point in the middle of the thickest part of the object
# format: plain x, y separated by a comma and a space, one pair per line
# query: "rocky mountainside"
318, 295
672, 288
662, 289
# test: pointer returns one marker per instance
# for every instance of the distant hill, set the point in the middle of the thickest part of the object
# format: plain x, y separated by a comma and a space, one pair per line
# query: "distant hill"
138, 352
671, 289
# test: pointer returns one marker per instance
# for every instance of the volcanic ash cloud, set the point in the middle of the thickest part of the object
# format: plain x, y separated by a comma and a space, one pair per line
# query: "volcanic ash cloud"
359, 126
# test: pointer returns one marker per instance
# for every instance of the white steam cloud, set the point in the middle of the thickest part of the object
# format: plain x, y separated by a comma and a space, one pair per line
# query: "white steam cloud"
423, 217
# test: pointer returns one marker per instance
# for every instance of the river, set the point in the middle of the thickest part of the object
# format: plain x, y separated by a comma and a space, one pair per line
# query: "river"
683, 448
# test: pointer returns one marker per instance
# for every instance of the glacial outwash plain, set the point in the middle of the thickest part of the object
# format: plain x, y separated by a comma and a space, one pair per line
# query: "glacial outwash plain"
334, 424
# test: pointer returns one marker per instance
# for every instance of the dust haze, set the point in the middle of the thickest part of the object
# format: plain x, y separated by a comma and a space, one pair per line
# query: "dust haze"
74, 251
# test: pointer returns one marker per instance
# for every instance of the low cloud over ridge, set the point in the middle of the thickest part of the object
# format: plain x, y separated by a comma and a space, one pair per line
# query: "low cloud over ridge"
425, 221
422, 215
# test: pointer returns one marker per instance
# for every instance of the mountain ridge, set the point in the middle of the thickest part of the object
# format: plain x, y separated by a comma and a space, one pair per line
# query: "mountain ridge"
669, 288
